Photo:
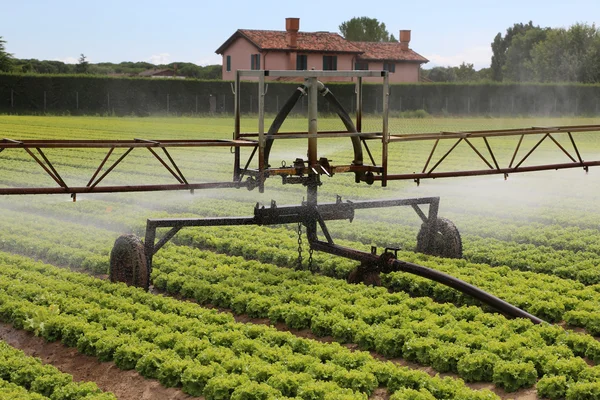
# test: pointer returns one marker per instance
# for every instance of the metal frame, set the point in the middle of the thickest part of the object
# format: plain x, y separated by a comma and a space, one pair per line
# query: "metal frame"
310, 214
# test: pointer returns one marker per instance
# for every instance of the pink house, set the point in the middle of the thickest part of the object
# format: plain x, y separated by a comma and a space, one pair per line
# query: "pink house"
294, 50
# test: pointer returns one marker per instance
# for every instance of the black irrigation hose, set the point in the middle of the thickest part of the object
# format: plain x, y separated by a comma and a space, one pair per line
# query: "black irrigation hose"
348, 123
280, 118
466, 288
391, 265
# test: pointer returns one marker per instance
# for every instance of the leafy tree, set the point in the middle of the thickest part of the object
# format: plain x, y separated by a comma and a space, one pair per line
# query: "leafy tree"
441, 74
500, 46
365, 29
82, 66
518, 65
465, 73
571, 55
5, 58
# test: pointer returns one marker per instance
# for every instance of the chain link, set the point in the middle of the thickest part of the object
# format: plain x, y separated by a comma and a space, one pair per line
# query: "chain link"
310, 259
299, 262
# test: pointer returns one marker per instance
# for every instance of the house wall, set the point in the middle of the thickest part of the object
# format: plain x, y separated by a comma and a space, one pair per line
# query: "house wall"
241, 49
405, 72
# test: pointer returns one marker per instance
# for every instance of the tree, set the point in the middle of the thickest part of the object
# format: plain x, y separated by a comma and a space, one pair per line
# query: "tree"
440, 74
364, 29
465, 73
500, 46
518, 65
568, 55
82, 66
5, 58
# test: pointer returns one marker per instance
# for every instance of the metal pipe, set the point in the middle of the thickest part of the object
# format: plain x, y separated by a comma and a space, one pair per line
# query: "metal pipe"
313, 98
453, 174
125, 188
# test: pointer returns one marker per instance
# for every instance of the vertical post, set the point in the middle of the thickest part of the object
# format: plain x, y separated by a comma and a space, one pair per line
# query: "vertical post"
313, 97
44, 101
313, 183
261, 132
168, 105
77, 100
385, 127
236, 126
149, 246
359, 104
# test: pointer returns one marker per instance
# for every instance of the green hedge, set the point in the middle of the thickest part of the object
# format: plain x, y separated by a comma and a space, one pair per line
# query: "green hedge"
76, 94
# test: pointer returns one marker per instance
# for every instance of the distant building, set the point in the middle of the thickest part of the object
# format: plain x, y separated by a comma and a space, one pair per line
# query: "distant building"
160, 73
295, 50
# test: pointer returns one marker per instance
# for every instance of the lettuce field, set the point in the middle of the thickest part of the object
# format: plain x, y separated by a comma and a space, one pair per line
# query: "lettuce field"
230, 316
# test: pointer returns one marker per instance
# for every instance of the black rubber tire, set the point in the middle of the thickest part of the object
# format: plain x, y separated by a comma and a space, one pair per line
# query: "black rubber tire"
446, 241
128, 262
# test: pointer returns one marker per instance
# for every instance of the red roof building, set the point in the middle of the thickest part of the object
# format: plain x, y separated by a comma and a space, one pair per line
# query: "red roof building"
295, 50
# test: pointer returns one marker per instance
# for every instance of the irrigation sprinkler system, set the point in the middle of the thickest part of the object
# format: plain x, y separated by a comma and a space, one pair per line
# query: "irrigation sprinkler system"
131, 259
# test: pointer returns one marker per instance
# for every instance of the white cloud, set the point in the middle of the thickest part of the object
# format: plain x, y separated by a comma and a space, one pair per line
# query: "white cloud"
161, 58
479, 56
210, 60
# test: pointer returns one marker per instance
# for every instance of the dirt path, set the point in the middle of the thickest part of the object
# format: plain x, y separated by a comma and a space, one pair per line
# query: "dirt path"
126, 385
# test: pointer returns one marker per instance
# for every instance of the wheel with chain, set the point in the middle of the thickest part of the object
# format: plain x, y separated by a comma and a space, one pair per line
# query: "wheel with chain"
128, 262
445, 241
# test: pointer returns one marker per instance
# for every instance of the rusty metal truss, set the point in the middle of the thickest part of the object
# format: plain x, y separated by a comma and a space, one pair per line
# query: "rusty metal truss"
35, 149
517, 162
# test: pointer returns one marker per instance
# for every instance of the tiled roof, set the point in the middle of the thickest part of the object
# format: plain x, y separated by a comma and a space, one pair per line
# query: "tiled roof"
307, 41
387, 51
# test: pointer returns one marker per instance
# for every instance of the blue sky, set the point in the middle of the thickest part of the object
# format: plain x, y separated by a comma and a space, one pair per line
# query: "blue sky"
446, 32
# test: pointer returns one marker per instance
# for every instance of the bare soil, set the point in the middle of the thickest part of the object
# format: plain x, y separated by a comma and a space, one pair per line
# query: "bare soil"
126, 385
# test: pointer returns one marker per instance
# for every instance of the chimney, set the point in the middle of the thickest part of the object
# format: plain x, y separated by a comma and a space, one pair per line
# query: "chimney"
404, 39
292, 26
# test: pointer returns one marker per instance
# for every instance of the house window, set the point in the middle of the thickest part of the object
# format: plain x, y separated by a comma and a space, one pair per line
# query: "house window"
389, 66
329, 63
361, 66
255, 61
228, 64
301, 62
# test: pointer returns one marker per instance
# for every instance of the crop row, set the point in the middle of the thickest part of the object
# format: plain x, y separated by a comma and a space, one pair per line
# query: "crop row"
23, 377
478, 346
550, 298
569, 253
182, 344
